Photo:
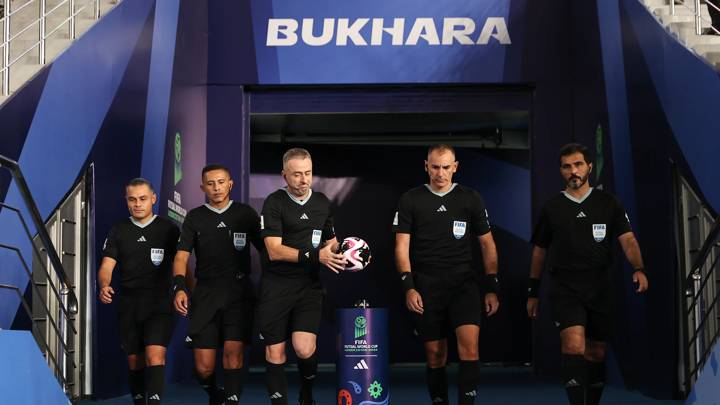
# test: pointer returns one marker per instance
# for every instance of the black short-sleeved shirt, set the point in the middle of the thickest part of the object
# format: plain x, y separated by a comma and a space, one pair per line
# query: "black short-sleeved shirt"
145, 253
221, 239
305, 224
442, 227
579, 233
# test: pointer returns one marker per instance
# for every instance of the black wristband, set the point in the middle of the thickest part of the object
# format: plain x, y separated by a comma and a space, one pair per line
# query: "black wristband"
310, 256
641, 270
179, 284
534, 288
406, 279
492, 284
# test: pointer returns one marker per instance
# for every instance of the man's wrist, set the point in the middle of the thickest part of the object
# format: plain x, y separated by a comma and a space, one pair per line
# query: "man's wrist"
407, 281
308, 256
179, 283
533, 287
492, 284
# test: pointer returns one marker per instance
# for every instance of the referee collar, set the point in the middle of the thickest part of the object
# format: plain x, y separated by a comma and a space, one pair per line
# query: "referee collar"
219, 211
297, 200
440, 194
141, 225
577, 200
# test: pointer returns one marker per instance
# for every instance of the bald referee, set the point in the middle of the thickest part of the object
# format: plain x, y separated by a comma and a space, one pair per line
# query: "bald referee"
435, 227
222, 304
578, 226
143, 246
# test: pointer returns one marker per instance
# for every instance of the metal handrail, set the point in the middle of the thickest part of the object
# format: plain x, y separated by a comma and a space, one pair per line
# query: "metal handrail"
39, 333
694, 286
29, 273
6, 38
698, 14
36, 251
704, 251
42, 232
65, 21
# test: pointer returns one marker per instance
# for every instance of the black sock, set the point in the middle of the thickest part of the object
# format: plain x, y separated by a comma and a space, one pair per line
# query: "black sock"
595, 382
154, 383
136, 379
308, 371
276, 382
573, 371
208, 385
468, 379
437, 384
233, 385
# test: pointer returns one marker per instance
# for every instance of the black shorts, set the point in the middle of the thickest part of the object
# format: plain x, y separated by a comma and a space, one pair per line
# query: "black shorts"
447, 304
584, 303
287, 306
144, 319
221, 310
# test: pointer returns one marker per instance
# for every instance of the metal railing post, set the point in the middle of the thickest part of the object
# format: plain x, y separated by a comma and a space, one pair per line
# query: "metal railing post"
71, 27
698, 18
672, 7
41, 48
97, 9
6, 52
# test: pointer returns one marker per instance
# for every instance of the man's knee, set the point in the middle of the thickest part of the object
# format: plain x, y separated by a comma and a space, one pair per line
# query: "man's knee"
155, 355
573, 340
304, 349
468, 351
436, 354
595, 351
275, 353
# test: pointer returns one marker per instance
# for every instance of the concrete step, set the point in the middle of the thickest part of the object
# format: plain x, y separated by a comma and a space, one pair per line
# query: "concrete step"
696, 40
705, 49
681, 10
667, 19
685, 30
713, 58
656, 3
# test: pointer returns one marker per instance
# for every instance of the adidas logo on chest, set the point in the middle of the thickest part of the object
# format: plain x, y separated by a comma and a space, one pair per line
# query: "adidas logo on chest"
142, 239
441, 209
581, 215
304, 216
222, 225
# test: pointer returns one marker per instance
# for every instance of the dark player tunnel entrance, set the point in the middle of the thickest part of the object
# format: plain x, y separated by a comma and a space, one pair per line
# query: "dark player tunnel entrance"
368, 145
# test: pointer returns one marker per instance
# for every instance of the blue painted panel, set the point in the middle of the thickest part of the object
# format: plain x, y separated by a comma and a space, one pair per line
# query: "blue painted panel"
25, 378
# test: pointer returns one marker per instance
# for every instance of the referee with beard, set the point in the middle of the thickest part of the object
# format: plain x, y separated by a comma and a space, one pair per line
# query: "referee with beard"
575, 232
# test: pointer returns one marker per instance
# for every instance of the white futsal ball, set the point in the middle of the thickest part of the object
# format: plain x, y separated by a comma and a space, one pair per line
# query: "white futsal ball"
357, 253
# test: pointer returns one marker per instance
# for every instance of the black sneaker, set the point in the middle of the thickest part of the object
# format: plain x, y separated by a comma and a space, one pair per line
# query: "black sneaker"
305, 402
218, 398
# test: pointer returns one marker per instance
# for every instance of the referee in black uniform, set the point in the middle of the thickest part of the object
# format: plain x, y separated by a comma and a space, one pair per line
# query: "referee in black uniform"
435, 227
297, 227
144, 247
578, 226
221, 307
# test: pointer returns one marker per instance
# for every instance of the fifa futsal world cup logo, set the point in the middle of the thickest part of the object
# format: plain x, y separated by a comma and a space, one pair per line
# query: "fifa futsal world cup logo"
360, 326
178, 156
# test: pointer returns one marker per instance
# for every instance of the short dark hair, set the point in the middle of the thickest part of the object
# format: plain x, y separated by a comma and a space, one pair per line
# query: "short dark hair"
571, 148
295, 153
441, 147
139, 181
214, 166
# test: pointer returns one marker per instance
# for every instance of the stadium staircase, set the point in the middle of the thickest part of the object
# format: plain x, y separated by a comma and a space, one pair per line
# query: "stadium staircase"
34, 32
689, 21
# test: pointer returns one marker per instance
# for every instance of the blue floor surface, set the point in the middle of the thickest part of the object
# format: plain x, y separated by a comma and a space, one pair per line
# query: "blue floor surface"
407, 386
